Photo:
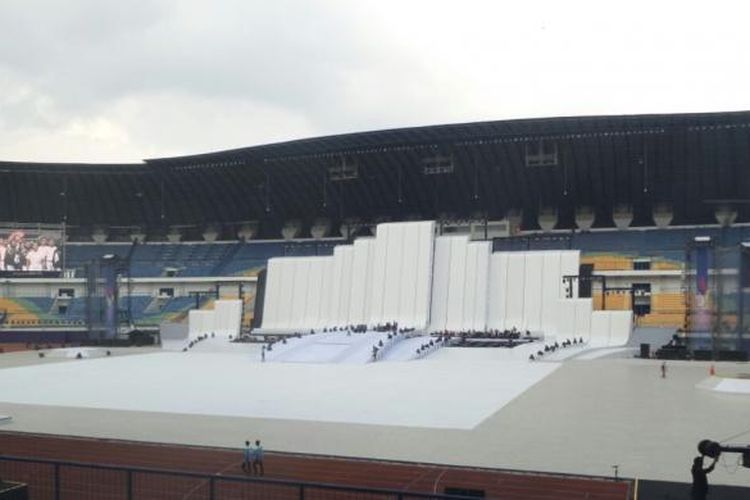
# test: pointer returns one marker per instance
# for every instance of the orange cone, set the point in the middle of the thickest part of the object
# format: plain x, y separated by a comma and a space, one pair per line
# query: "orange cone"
712, 371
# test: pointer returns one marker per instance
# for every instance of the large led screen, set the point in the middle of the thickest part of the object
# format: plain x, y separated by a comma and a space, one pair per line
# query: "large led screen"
28, 252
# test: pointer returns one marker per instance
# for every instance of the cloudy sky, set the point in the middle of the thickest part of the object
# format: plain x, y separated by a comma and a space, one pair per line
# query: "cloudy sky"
100, 80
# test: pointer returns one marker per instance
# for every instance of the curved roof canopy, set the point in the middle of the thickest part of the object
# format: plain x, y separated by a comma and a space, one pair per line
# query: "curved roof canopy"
690, 161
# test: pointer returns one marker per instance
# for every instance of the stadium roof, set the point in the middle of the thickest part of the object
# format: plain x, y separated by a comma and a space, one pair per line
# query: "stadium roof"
690, 161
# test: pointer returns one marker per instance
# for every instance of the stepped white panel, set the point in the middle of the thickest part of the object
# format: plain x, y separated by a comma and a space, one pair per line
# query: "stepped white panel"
469, 287
456, 280
532, 291
584, 309
359, 312
227, 317
566, 323
326, 293
407, 305
299, 293
498, 291
286, 308
277, 297
347, 257
314, 287
600, 329
404, 274
483, 251
333, 316
273, 289
514, 303
394, 260
378, 275
460, 284
620, 326
440, 283
550, 292
569, 264
424, 269
200, 322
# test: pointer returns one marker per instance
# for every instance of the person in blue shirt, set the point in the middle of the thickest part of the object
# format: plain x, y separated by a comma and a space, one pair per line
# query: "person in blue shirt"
247, 457
258, 458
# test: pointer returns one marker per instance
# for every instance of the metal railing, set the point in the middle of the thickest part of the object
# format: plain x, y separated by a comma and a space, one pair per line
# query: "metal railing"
62, 480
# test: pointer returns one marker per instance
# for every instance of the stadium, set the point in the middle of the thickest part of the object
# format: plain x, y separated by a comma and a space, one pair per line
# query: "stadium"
538, 308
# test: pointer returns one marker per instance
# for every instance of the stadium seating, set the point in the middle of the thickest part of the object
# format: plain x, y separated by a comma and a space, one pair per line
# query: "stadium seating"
607, 250
194, 259
37, 311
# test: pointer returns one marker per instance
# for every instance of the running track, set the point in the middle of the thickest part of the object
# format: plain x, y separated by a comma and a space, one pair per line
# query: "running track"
409, 477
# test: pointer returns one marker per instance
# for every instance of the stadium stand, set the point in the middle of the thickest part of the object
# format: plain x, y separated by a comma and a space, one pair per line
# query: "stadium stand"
25, 312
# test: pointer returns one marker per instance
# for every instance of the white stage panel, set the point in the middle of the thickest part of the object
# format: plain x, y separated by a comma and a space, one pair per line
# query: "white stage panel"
514, 316
299, 293
393, 257
333, 315
409, 266
470, 287
569, 266
368, 278
228, 317
286, 279
497, 290
288, 292
357, 303
273, 289
347, 256
620, 325
326, 292
440, 278
456, 279
584, 309
314, 283
200, 322
482, 280
532, 290
378, 274
566, 324
424, 274
600, 328
551, 280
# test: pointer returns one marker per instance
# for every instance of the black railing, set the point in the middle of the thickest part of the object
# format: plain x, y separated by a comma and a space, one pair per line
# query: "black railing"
64, 480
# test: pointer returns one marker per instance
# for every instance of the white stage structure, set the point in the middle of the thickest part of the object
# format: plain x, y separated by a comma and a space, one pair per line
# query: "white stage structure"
223, 320
374, 281
460, 283
407, 274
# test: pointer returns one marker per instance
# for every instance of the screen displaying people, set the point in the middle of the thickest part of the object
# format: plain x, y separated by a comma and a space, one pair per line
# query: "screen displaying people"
22, 251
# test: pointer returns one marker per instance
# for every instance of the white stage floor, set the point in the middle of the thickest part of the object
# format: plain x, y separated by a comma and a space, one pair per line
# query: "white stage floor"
411, 393
477, 407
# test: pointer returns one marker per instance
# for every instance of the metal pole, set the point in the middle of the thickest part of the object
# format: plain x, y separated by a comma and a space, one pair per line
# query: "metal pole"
301, 492
211, 489
741, 305
718, 276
